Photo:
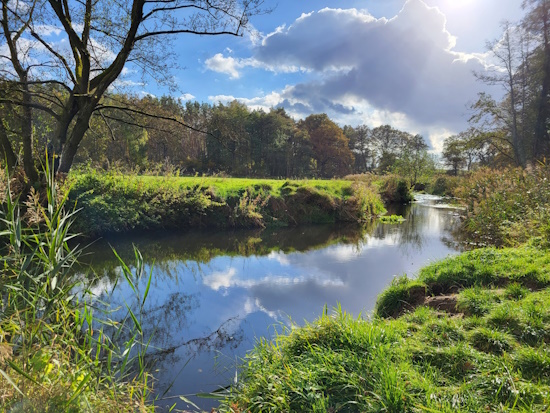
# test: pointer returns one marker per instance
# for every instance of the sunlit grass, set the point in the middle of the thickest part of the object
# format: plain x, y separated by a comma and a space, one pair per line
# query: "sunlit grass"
117, 203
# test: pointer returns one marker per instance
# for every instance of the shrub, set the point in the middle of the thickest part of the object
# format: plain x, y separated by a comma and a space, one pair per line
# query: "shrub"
395, 190
507, 207
444, 185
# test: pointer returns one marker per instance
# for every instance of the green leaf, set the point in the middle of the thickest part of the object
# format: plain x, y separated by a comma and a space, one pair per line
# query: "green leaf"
10, 381
80, 387
186, 400
136, 322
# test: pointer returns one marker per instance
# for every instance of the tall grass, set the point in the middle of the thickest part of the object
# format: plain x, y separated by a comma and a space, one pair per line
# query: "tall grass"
507, 207
55, 353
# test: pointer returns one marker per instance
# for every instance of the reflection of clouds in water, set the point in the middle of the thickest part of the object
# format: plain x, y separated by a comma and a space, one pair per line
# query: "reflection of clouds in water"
345, 253
103, 285
229, 279
386, 240
254, 305
220, 279
342, 253
280, 257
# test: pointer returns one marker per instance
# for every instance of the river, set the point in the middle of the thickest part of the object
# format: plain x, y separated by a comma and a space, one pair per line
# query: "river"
214, 294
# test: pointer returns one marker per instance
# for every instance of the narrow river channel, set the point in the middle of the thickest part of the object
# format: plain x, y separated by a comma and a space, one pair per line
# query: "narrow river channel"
214, 294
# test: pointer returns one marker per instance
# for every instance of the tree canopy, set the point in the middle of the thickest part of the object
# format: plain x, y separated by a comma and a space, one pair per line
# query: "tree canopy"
68, 80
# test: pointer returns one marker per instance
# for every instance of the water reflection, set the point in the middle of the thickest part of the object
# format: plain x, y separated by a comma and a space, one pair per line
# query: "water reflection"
214, 293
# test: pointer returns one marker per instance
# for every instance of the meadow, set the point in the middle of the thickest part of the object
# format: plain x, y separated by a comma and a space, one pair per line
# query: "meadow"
119, 203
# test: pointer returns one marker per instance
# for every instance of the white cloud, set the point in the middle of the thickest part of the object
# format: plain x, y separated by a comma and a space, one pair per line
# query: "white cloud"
228, 65
262, 102
187, 96
120, 83
143, 93
404, 71
48, 30
232, 66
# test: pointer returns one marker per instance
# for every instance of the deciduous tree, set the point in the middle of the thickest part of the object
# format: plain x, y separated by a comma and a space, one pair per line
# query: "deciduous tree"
101, 37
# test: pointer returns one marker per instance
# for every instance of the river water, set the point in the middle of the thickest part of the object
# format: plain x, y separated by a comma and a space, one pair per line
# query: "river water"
214, 294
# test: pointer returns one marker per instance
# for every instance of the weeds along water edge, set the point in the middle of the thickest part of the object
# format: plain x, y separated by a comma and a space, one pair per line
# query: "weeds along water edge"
60, 348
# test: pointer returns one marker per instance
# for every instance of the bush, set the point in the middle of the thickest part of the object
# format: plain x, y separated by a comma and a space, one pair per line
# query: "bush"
444, 185
395, 190
507, 207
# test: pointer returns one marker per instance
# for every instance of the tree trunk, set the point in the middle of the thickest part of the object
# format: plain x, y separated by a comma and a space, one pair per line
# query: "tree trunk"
27, 136
77, 134
6, 149
541, 135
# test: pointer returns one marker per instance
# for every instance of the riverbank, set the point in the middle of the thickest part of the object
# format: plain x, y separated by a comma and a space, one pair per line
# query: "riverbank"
469, 334
119, 203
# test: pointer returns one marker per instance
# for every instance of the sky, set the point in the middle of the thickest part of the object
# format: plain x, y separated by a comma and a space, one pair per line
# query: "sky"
405, 63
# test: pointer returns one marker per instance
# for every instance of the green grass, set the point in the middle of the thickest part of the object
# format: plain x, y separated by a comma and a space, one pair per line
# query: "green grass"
118, 203
421, 362
391, 219
227, 187
524, 267
492, 357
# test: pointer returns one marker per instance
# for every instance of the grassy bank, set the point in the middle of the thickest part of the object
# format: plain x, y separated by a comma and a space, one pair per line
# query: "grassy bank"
469, 335
117, 203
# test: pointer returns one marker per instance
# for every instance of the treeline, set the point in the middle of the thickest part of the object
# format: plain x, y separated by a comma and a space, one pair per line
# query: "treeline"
232, 139
513, 131
149, 132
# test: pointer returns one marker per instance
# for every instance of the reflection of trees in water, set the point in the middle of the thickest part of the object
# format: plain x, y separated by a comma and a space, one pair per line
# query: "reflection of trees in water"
169, 251
161, 321
410, 235
166, 325
227, 337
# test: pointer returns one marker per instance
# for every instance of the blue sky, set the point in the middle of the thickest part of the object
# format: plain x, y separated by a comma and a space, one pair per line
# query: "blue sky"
406, 63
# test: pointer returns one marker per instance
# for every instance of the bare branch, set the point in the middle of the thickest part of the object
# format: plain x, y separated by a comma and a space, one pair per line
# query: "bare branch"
140, 112
31, 105
56, 54
107, 124
186, 31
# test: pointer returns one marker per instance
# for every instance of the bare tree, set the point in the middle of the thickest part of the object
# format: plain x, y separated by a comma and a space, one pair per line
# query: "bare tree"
509, 56
101, 37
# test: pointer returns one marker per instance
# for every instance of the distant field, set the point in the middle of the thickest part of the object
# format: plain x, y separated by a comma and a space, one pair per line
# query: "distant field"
225, 187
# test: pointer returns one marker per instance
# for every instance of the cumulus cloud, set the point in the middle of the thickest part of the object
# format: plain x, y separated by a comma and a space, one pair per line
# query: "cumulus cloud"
187, 96
232, 67
261, 102
403, 69
405, 64
221, 64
